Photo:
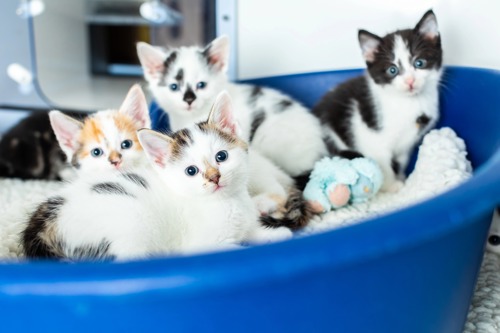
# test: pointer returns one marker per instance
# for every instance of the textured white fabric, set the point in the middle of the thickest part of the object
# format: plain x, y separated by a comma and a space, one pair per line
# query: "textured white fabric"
441, 165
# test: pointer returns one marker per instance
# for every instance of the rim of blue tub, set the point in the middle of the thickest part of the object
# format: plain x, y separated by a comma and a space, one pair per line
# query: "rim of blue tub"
372, 238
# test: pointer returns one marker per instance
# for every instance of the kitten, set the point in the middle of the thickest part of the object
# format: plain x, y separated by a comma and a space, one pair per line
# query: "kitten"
194, 198
384, 113
106, 139
280, 130
29, 150
184, 82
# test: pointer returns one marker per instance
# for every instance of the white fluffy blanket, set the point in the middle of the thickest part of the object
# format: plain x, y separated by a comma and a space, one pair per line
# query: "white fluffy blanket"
441, 165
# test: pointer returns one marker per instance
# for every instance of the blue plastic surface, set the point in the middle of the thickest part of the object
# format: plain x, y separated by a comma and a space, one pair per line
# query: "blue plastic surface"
410, 271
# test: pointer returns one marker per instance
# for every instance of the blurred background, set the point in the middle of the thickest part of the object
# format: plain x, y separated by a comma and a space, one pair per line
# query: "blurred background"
80, 54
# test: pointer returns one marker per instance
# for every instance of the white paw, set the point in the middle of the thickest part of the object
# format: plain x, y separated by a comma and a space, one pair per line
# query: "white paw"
265, 205
276, 234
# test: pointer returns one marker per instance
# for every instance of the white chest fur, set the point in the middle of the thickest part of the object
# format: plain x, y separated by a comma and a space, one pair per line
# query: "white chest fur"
398, 117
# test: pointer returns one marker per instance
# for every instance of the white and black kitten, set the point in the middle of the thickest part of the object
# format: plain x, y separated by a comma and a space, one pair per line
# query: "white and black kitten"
184, 81
194, 198
384, 113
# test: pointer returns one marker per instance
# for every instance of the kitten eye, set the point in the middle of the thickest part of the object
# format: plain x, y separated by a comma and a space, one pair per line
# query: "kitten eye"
392, 71
96, 152
126, 144
221, 156
420, 63
174, 87
191, 170
201, 85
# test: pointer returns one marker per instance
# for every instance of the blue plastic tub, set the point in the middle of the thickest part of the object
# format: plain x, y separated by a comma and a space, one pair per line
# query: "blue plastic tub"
410, 271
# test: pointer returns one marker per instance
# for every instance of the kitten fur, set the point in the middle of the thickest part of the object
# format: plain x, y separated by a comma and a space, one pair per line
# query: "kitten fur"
29, 150
159, 210
185, 80
106, 139
277, 127
383, 115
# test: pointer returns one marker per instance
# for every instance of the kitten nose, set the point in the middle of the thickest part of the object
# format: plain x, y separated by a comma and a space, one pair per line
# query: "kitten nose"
115, 158
410, 81
215, 178
189, 96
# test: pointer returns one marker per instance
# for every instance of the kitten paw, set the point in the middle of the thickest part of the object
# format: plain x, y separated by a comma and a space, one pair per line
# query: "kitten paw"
265, 204
316, 207
263, 235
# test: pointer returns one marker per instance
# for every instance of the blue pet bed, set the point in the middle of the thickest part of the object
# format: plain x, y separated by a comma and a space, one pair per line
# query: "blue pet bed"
410, 271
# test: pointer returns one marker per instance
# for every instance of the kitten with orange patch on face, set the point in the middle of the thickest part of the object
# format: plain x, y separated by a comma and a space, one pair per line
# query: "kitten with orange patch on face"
193, 199
107, 139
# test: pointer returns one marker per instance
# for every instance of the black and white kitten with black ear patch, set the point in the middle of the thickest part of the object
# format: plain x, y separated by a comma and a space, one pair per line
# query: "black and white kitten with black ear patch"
384, 113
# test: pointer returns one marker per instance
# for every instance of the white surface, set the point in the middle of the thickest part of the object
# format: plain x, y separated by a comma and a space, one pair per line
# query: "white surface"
283, 37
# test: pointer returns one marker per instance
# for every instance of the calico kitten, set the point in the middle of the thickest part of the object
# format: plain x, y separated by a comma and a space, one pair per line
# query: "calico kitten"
106, 139
29, 150
384, 113
194, 198
184, 81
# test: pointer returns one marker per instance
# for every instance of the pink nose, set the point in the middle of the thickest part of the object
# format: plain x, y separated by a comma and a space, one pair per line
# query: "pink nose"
410, 81
215, 179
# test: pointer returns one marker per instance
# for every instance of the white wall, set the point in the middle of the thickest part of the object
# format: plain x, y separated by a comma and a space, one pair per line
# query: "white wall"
292, 36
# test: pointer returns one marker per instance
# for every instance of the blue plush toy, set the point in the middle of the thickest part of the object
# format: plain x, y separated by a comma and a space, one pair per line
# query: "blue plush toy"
336, 182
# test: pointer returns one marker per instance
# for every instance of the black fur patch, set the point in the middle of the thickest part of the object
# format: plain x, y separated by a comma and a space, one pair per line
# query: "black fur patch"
180, 75
349, 154
423, 121
166, 67
99, 252
33, 240
110, 188
255, 94
396, 167
258, 119
302, 180
298, 213
136, 179
285, 104
335, 109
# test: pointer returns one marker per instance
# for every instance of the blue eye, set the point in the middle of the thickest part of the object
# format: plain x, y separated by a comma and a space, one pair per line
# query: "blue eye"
201, 85
126, 144
191, 170
221, 156
174, 87
96, 152
420, 63
392, 71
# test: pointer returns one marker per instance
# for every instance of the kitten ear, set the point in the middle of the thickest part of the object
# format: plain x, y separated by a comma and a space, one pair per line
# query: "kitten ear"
427, 26
152, 59
136, 107
156, 145
217, 53
369, 44
221, 114
67, 130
